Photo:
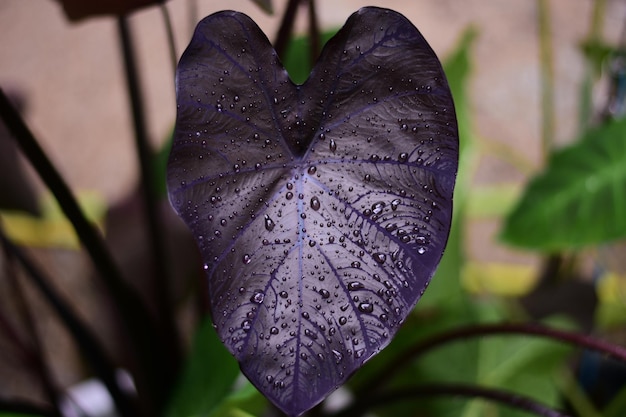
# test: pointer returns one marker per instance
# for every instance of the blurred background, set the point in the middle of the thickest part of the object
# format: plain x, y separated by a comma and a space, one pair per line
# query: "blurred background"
68, 79
71, 78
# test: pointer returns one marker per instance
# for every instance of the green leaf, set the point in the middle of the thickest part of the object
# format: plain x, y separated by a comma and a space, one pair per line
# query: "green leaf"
580, 199
597, 52
458, 68
297, 61
265, 5
526, 366
617, 406
208, 377
246, 401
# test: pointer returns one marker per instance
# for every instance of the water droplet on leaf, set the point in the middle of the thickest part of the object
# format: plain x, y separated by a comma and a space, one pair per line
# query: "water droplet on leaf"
379, 257
315, 203
355, 285
338, 356
246, 325
269, 223
257, 297
366, 307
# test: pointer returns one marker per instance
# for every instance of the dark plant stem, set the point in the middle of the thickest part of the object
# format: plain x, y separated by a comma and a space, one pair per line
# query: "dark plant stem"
547, 77
24, 352
286, 28
137, 322
314, 34
35, 350
27, 357
169, 30
170, 355
452, 390
25, 408
79, 331
550, 272
467, 332
87, 233
192, 15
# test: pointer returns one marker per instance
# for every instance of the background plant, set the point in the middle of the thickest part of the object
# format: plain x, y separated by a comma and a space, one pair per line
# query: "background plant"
494, 362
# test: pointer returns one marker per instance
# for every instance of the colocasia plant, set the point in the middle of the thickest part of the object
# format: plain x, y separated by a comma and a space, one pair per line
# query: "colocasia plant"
321, 210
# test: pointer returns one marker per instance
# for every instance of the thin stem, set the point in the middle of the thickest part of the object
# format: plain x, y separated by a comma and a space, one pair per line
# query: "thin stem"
25, 408
546, 62
35, 350
28, 355
80, 332
575, 396
504, 329
314, 34
286, 28
547, 77
170, 355
597, 20
138, 325
25, 354
87, 233
169, 30
192, 15
586, 110
450, 390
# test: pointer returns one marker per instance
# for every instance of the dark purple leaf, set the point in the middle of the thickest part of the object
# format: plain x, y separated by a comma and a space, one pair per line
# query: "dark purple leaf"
321, 210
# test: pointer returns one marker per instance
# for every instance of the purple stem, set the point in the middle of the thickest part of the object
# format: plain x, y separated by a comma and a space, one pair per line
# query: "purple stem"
314, 34
450, 390
563, 336
286, 28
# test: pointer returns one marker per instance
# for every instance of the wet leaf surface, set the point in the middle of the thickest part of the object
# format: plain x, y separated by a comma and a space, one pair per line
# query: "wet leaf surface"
322, 209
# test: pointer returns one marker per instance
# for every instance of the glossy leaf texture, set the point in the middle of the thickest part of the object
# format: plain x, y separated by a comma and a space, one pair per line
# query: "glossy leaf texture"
322, 209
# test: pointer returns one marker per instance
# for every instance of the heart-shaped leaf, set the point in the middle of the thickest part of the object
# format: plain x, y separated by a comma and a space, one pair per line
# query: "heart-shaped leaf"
321, 209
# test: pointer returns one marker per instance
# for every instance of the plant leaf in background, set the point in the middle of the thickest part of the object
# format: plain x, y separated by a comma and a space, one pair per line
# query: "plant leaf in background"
51, 228
265, 5
322, 209
597, 52
526, 366
297, 56
579, 200
208, 377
